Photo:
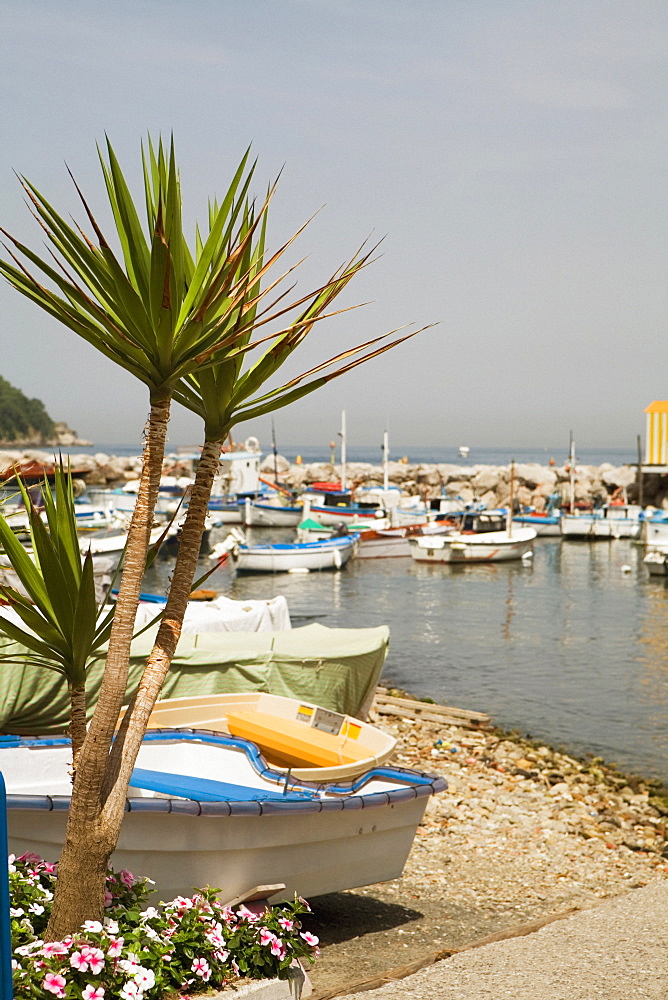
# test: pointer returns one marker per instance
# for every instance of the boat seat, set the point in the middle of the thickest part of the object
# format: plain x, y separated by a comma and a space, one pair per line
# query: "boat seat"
189, 786
294, 744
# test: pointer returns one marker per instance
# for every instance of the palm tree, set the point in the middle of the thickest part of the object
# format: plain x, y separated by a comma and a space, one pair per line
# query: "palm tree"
183, 324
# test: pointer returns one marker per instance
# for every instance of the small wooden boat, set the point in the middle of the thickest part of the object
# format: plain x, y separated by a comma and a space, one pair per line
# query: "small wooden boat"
656, 563
206, 809
314, 743
483, 537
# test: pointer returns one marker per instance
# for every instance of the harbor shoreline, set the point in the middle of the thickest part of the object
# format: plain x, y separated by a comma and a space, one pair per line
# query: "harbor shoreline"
524, 834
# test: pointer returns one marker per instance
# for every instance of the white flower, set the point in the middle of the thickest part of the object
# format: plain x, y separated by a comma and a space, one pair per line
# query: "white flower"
92, 926
144, 978
110, 926
150, 914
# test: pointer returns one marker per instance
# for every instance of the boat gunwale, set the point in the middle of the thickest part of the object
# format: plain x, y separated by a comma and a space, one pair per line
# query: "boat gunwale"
417, 784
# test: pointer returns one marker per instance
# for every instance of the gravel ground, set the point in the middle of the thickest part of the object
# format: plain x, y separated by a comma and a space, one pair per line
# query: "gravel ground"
523, 832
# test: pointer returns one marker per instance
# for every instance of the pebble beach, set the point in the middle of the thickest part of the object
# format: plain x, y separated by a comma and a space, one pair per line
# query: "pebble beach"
523, 833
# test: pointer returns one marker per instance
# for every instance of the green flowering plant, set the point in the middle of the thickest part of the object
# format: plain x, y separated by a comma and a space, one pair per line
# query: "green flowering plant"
183, 947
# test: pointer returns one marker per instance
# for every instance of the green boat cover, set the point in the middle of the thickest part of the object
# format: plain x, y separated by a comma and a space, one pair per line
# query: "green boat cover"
336, 668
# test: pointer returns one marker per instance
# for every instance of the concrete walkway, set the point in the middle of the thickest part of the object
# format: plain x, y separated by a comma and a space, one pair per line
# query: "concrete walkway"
615, 951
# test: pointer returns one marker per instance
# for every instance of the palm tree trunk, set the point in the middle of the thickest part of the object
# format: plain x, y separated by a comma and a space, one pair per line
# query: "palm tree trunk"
128, 743
77, 723
89, 841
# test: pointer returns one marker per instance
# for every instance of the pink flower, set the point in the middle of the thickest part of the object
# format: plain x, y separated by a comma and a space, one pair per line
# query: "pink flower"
90, 993
115, 947
248, 915
108, 898
54, 984
266, 936
127, 878
95, 959
310, 938
54, 948
278, 948
78, 961
286, 924
201, 968
29, 856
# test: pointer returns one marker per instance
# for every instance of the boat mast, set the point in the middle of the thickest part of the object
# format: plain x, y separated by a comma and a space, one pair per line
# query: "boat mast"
342, 435
386, 462
511, 499
571, 464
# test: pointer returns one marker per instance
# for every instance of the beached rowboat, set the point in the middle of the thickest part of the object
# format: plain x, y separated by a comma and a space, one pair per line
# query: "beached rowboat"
315, 743
205, 809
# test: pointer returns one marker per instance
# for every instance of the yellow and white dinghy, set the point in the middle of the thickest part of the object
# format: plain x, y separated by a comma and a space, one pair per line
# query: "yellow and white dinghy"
313, 743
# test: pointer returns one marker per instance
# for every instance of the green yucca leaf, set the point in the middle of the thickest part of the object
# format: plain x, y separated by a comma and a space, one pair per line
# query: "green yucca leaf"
33, 619
47, 650
84, 626
23, 565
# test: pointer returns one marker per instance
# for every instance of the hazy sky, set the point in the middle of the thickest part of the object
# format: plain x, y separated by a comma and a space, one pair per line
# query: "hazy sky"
513, 153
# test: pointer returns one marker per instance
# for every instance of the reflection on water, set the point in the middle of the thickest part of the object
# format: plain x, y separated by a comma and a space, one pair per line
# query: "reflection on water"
570, 648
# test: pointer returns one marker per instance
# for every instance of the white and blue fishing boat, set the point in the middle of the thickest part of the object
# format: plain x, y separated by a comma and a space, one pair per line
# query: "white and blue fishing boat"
546, 522
330, 554
207, 809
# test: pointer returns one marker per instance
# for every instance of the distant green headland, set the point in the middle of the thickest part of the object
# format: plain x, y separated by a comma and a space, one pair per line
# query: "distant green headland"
24, 422
23, 419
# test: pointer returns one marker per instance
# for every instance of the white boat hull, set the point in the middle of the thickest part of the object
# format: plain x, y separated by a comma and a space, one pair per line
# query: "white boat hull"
394, 542
258, 515
326, 844
286, 558
608, 523
656, 563
548, 528
492, 546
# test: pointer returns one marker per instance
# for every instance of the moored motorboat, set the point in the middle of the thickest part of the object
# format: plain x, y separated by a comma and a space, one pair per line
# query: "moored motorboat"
613, 520
206, 809
482, 537
315, 743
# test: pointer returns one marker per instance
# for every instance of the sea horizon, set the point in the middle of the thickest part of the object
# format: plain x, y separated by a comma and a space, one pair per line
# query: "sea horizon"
415, 454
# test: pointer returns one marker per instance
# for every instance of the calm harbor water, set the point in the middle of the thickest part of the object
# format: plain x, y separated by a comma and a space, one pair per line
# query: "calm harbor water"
571, 649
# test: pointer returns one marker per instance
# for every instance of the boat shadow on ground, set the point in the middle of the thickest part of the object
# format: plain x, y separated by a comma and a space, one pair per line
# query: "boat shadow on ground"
341, 916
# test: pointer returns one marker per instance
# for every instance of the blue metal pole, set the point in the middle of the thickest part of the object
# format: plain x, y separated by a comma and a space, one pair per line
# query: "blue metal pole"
6, 987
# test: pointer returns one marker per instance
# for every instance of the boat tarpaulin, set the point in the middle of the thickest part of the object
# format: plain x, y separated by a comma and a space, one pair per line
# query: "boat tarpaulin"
335, 668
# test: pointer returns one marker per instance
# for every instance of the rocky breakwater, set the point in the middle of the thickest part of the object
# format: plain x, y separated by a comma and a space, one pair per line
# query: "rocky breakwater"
534, 484
99, 469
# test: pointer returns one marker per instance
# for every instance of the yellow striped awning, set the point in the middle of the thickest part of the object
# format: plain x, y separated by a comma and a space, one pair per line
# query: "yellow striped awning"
656, 433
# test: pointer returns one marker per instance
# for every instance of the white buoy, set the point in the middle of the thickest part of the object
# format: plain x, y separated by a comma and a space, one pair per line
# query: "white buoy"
299, 569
